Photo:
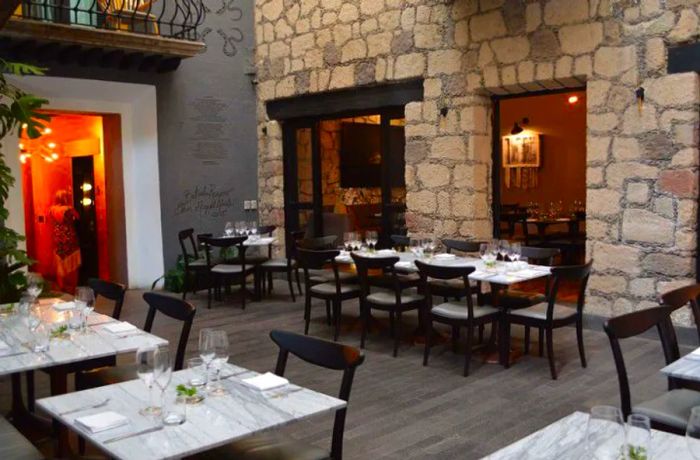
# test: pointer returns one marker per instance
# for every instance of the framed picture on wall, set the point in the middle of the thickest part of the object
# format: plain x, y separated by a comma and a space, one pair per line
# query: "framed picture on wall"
521, 150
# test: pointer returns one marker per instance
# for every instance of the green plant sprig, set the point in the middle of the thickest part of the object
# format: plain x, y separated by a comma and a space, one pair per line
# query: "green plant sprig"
59, 331
183, 390
636, 453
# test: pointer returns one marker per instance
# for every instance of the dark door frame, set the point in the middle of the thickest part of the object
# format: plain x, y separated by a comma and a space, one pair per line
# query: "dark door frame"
496, 156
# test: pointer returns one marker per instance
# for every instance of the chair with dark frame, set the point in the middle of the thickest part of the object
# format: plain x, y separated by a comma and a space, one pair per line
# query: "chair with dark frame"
551, 315
277, 265
395, 296
454, 287
225, 273
110, 291
686, 295
329, 355
195, 267
453, 313
670, 411
258, 255
333, 291
402, 241
323, 243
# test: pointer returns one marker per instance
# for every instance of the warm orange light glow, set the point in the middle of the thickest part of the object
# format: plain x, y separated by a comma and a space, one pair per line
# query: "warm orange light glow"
21, 146
86, 201
47, 130
54, 155
25, 126
573, 99
86, 187
48, 159
23, 158
52, 145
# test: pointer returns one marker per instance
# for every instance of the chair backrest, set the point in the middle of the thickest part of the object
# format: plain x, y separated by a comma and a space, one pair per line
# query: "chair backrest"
316, 260
633, 324
386, 264
184, 237
330, 355
578, 274
318, 243
111, 291
439, 272
686, 295
400, 240
266, 229
461, 245
293, 243
175, 308
542, 256
237, 241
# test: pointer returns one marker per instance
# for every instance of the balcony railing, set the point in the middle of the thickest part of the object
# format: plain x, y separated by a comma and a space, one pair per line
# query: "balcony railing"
176, 19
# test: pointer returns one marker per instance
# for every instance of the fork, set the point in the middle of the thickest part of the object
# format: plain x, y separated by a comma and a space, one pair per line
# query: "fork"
92, 406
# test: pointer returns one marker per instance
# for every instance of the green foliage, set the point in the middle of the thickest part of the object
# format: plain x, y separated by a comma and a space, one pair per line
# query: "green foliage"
182, 390
175, 277
17, 109
637, 453
58, 332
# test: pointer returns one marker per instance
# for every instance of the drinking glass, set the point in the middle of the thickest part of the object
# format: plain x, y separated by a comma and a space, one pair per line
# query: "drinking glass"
146, 370
347, 241
42, 338
638, 437
483, 250
605, 433
229, 229
253, 226
416, 248
515, 251
371, 237
162, 375
198, 370
35, 284
85, 302
692, 433
174, 409
219, 340
503, 248
206, 348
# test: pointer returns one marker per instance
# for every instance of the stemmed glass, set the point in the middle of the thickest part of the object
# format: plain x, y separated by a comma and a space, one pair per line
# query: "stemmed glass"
371, 237
146, 370
515, 251
416, 248
605, 433
229, 229
692, 433
638, 436
488, 254
85, 304
206, 348
347, 240
503, 247
35, 284
253, 226
219, 341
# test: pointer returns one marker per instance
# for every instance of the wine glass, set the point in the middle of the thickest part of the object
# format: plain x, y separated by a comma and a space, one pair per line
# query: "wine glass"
692, 433
206, 347
229, 229
162, 371
347, 241
515, 251
483, 250
372, 238
638, 436
503, 247
219, 340
253, 226
605, 433
85, 303
146, 370
416, 249
35, 284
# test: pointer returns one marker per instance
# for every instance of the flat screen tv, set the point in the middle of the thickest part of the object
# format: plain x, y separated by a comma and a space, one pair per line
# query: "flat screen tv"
361, 156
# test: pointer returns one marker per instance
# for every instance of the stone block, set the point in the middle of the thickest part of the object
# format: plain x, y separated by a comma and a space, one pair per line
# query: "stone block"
449, 147
616, 258
487, 26
433, 175
348, 13
642, 287
461, 34
634, 122
597, 149
558, 12
637, 192
379, 44
409, 65
544, 45
674, 90
603, 202
682, 183
428, 36
668, 264
597, 92
423, 201
444, 62
646, 227
603, 122
655, 56
581, 38
475, 119
686, 27
608, 284
626, 148
371, 7
533, 16
610, 61
511, 50
354, 49
617, 173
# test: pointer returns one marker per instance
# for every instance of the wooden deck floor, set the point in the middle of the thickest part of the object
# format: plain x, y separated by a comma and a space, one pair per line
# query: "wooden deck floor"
400, 409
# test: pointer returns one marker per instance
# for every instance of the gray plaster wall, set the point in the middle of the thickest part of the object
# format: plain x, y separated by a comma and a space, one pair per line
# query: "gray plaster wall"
206, 125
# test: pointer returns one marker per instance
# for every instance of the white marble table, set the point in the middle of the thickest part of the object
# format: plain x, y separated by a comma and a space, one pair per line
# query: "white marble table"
99, 343
261, 241
503, 274
214, 422
686, 368
565, 440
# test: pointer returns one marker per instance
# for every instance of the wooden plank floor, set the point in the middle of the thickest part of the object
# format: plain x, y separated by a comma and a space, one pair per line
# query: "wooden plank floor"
400, 409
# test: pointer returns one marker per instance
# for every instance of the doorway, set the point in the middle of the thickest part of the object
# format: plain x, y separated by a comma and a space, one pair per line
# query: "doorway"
346, 174
65, 200
539, 173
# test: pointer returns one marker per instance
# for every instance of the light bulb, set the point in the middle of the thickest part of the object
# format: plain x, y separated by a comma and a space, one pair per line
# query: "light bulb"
54, 155
23, 158
47, 130
86, 187
21, 146
52, 145
86, 201
25, 126
573, 99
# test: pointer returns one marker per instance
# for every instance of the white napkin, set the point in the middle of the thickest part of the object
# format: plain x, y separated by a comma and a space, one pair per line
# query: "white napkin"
266, 381
385, 252
120, 327
444, 256
63, 306
103, 421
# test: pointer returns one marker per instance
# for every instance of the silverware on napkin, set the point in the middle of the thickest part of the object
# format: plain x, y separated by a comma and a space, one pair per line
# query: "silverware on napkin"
133, 434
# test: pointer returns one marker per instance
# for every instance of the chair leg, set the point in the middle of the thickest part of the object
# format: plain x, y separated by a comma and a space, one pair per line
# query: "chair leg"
269, 282
397, 336
329, 315
468, 353
481, 333
243, 285
527, 340
291, 285
209, 297
428, 338
364, 314
550, 353
391, 324
336, 317
579, 338
541, 339
307, 313
31, 396
492, 334
455, 338
81, 446
298, 281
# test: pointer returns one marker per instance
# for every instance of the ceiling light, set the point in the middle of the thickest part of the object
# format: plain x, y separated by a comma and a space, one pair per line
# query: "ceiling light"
21, 146
25, 126
23, 158
573, 99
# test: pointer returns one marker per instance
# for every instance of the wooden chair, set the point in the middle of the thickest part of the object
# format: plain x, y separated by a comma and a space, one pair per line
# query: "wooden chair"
333, 292
280, 265
670, 411
328, 355
453, 287
551, 315
323, 243
224, 273
110, 291
454, 314
396, 297
686, 295
195, 267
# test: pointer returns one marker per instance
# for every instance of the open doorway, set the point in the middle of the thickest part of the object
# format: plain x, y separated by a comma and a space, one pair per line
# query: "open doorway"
540, 170
65, 192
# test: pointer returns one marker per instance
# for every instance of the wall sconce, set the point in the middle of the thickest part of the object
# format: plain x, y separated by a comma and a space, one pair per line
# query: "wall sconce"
86, 201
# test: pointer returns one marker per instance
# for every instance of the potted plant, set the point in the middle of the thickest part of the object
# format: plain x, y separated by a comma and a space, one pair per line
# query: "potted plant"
18, 111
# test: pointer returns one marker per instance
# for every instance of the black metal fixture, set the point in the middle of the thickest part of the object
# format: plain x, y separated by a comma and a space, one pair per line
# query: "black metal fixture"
517, 129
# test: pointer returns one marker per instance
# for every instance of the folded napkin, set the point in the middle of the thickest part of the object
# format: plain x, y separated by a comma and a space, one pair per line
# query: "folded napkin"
266, 381
385, 252
103, 421
120, 327
63, 306
444, 256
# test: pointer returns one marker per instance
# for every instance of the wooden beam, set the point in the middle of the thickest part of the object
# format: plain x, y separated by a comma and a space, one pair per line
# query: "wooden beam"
107, 39
7, 8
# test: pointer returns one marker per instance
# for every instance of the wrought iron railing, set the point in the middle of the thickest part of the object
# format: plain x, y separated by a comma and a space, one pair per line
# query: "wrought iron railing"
167, 18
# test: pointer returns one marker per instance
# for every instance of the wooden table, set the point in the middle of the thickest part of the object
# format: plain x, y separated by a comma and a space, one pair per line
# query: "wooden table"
214, 422
499, 278
565, 440
542, 225
685, 368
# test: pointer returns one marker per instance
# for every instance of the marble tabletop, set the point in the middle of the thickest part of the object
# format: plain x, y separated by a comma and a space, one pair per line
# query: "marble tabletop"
97, 343
216, 421
686, 368
505, 273
565, 440
260, 241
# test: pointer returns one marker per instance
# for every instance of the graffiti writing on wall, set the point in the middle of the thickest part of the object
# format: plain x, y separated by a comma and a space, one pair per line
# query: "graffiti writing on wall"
205, 201
230, 34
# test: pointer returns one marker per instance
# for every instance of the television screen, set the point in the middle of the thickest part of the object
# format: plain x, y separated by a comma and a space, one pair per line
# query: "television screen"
361, 156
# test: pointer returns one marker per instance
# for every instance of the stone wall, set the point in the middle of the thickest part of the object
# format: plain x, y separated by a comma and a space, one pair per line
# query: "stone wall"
642, 161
